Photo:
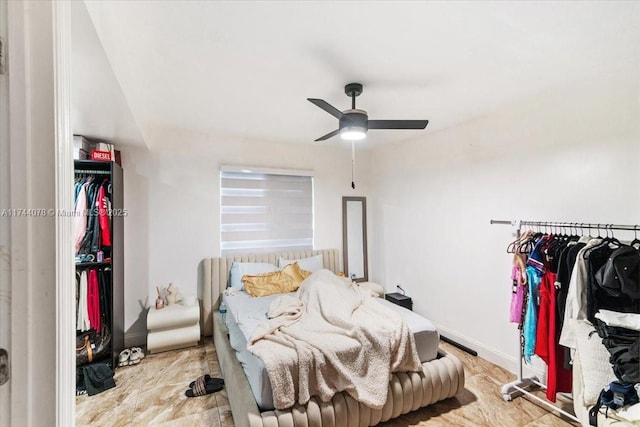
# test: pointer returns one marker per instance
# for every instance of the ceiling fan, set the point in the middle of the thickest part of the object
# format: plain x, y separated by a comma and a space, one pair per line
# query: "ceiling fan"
355, 123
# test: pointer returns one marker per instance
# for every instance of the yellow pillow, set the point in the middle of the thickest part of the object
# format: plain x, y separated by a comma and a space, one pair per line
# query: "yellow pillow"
286, 280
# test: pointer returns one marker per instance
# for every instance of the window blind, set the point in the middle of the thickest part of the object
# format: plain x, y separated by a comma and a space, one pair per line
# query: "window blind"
265, 212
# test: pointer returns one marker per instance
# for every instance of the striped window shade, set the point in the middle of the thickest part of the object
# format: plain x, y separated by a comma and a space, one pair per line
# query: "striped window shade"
265, 210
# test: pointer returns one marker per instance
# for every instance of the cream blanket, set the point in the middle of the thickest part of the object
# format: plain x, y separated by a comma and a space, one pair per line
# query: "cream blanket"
332, 337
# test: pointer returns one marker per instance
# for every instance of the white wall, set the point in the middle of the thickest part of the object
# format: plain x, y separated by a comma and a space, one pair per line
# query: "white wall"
172, 197
572, 154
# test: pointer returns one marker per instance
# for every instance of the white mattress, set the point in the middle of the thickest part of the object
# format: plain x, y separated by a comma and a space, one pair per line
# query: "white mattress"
244, 313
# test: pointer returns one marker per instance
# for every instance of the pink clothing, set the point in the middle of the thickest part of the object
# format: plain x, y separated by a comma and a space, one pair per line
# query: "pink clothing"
93, 300
517, 295
80, 220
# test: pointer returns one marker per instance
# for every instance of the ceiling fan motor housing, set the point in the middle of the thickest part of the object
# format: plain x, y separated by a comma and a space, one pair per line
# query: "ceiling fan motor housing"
354, 117
353, 89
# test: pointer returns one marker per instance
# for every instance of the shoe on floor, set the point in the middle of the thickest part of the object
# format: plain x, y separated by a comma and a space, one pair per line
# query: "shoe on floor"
123, 359
139, 350
136, 356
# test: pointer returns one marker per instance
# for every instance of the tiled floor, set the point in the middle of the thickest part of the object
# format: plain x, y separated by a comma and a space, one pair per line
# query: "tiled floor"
152, 394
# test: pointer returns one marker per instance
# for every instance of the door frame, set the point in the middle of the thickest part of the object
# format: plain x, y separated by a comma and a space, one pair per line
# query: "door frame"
38, 47
65, 260
5, 225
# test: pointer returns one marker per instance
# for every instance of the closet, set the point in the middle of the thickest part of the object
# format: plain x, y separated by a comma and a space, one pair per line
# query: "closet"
99, 255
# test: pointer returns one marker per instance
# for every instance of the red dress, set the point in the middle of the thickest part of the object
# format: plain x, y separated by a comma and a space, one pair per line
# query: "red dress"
93, 300
559, 379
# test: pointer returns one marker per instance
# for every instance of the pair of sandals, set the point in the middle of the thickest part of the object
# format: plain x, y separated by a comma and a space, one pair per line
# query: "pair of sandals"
203, 385
131, 356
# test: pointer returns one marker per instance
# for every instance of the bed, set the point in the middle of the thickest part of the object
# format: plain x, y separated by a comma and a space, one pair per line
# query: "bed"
441, 378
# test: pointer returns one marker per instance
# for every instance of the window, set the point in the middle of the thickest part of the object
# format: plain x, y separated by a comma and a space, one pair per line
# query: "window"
265, 210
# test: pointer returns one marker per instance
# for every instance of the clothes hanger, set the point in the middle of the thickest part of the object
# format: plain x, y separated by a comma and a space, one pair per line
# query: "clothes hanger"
576, 235
516, 244
612, 239
635, 240
527, 244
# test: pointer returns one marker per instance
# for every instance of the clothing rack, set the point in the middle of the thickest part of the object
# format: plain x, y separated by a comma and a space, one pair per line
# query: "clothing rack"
91, 172
520, 386
570, 225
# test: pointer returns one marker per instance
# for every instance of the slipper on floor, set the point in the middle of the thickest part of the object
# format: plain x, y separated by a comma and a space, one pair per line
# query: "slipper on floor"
202, 388
208, 379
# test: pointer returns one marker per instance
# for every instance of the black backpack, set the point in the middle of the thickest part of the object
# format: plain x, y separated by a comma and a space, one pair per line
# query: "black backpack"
614, 396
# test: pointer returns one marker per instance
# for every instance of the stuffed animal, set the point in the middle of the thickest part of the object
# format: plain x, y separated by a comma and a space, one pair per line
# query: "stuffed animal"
159, 300
173, 296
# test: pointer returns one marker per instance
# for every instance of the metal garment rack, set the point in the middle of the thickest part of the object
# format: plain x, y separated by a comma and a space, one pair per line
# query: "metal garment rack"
91, 172
520, 386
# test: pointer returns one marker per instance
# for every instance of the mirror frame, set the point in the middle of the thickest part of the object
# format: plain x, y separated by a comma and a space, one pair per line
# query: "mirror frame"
345, 244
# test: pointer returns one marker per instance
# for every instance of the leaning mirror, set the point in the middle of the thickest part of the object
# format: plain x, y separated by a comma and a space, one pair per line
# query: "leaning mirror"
354, 238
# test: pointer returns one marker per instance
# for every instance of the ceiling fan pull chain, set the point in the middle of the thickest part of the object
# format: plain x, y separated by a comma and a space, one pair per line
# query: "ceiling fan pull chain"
353, 165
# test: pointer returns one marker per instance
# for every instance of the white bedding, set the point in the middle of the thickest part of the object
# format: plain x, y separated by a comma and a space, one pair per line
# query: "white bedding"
627, 416
245, 313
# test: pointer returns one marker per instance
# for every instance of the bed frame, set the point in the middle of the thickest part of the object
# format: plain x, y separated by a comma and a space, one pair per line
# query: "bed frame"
440, 378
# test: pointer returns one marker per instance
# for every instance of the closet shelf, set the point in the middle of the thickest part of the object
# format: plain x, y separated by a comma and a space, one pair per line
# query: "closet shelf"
94, 264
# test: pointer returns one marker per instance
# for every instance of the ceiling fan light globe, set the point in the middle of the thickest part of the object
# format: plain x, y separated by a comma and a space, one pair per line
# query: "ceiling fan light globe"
353, 133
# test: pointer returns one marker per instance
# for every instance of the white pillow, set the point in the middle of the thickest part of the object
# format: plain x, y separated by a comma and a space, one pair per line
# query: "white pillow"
239, 269
311, 264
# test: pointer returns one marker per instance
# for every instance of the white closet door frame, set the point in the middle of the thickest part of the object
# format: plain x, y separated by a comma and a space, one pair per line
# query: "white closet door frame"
5, 264
65, 262
32, 128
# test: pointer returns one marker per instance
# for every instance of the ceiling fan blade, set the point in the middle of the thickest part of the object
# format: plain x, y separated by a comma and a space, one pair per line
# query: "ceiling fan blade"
397, 124
329, 135
326, 107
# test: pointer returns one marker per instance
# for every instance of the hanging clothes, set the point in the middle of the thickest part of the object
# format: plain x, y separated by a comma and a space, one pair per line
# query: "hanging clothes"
559, 373
518, 290
80, 218
531, 316
92, 223
565, 269
569, 279
576, 304
535, 270
559, 379
539, 326
93, 300
103, 216
542, 329
82, 318
104, 288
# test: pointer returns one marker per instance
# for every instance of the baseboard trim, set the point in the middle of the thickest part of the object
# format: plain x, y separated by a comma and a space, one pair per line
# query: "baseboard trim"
137, 339
497, 357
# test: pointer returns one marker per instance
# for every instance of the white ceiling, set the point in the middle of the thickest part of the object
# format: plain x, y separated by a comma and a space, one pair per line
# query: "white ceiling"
244, 69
